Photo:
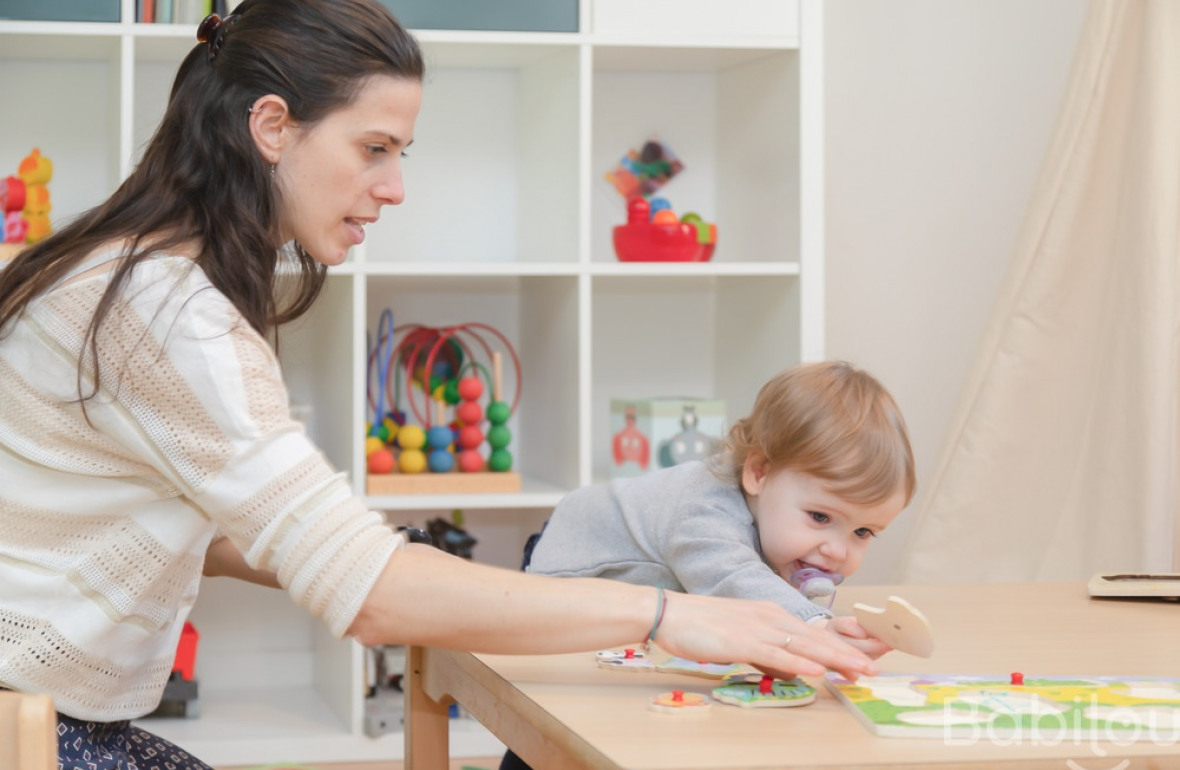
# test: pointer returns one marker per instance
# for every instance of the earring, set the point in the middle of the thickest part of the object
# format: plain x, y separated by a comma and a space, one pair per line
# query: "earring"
273, 166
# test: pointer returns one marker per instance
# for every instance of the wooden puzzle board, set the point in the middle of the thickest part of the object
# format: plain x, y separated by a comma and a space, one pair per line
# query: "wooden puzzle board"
1038, 710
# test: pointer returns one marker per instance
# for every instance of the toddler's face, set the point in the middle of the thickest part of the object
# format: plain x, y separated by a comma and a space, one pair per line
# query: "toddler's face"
801, 524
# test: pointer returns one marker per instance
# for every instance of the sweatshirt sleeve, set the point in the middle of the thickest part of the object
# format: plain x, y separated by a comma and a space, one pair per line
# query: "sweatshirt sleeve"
711, 550
197, 393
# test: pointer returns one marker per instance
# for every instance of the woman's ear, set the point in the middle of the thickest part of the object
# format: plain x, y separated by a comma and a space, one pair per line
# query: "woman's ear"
754, 472
269, 120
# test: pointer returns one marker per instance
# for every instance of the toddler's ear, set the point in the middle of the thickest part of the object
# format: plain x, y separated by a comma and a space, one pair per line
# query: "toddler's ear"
754, 473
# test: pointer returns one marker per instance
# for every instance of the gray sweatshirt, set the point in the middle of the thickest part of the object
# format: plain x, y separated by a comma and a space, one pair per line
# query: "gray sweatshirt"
681, 528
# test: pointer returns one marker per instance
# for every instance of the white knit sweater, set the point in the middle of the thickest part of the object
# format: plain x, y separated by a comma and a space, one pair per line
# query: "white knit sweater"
104, 525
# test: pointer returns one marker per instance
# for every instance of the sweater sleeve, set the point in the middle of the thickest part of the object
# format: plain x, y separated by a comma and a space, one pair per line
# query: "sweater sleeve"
711, 549
198, 394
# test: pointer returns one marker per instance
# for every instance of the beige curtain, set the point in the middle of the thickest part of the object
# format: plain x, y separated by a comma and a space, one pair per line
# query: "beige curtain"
1062, 460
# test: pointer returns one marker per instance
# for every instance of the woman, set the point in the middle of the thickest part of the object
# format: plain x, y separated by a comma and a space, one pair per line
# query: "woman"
144, 428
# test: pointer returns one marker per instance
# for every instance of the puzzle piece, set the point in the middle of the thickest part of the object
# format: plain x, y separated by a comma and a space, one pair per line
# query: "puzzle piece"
764, 692
625, 660
680, 702
700, 668
899, 624
635, 660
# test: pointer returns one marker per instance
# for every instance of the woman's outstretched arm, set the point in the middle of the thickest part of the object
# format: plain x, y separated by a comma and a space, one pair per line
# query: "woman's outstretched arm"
427, 597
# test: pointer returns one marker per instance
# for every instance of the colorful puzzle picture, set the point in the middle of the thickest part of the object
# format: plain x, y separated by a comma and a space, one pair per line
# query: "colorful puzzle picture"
1015, 707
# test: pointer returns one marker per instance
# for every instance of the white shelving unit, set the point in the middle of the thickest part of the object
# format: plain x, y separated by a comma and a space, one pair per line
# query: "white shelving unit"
508, 222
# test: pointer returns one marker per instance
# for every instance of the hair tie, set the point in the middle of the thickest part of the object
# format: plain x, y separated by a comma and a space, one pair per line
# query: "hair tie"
212, 29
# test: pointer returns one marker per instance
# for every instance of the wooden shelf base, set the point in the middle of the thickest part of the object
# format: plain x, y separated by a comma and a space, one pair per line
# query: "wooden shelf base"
441, 483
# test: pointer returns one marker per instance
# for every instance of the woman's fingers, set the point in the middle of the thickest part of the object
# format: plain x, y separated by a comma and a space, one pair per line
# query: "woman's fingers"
759, 633
814, 651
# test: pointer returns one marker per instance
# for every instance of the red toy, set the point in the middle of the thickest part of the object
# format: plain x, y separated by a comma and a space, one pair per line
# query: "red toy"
186, 652
644, 239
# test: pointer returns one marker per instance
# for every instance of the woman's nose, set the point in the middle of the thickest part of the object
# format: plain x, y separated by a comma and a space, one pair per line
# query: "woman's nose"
390, 190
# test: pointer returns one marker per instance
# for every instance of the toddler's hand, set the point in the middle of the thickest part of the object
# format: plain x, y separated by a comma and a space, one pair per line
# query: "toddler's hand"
847, 629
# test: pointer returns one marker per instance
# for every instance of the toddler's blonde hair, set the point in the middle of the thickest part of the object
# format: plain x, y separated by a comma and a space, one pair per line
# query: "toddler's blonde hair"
832, 421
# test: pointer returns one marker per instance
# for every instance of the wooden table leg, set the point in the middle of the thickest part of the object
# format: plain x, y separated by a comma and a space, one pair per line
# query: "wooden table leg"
427, 720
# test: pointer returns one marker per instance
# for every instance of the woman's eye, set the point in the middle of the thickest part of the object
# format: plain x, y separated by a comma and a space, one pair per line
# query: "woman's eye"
375, 149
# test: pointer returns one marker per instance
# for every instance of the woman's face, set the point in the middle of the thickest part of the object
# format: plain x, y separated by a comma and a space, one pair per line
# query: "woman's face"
335, 176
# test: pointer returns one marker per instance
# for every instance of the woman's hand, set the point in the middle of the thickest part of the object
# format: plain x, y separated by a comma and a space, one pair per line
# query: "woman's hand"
762, 634
223, 559
849, 630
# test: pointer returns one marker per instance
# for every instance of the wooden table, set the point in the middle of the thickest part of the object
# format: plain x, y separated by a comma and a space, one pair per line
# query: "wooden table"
563, 711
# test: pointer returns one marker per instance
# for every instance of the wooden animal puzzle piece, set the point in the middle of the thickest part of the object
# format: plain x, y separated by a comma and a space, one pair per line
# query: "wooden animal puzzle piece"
625, 660
764, 691
680, 702
899, 624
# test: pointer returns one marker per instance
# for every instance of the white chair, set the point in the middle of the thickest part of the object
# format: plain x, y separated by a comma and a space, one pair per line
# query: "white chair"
28, 732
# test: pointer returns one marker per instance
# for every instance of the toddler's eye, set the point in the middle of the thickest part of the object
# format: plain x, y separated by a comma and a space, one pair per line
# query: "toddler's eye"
819, 518
864, 533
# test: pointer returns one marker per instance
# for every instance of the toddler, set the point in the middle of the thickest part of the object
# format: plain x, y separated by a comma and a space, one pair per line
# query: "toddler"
819, 468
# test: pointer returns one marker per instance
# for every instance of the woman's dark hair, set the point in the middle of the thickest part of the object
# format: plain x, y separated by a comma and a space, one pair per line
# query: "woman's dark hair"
202, 179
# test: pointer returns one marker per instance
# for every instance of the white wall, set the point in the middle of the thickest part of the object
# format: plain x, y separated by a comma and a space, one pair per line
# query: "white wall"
939, 113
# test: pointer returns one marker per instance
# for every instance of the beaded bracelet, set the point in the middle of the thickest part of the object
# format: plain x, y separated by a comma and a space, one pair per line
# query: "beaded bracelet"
661, 603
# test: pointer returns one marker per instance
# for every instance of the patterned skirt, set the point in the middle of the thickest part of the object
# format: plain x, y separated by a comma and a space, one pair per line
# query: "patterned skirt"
117, 746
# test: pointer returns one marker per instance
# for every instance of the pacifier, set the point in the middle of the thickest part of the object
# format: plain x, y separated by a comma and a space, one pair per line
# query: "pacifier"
817, 585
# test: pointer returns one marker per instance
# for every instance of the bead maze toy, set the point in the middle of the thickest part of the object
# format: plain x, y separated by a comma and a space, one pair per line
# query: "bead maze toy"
432, 371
